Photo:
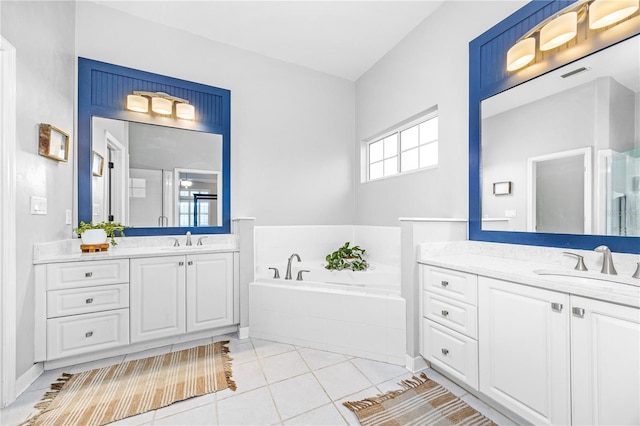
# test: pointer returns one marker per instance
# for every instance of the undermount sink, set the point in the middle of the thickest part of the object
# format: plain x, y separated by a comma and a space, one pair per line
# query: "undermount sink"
587, 277
182, 248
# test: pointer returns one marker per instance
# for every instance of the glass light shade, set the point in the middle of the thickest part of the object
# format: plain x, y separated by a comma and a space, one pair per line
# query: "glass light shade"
137, 103
606, 12
521, 54
559, 31
161, 106
186, 183
185, 111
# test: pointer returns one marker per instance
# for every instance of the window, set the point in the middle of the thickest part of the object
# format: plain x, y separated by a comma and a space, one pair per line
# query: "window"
409, 147
186, 207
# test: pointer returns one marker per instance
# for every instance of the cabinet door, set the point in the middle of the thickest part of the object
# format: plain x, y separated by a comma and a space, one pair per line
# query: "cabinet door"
524, 350
209, 291
157, 302
605, 363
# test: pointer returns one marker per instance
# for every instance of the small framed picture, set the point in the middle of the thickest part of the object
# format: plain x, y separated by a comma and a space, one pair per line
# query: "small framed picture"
97, 164
502, 188
53, 143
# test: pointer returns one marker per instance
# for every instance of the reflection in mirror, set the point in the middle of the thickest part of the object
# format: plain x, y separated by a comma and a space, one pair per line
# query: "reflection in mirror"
569, 141
156, 176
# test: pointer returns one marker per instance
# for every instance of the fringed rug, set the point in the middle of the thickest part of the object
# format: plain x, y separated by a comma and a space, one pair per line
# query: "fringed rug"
421, 402
104, 395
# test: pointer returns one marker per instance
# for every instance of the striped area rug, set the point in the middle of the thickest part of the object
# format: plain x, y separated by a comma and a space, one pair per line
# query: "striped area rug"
104, 395
421, 402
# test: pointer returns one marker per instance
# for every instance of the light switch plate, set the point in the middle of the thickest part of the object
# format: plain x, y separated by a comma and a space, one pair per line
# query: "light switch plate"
68, 218
509, 213
38, 205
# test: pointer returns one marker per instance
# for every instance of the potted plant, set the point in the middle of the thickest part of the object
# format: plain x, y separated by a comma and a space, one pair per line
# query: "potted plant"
347, 258
97, 233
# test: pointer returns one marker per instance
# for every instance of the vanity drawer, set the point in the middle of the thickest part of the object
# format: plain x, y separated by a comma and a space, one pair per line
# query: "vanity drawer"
83, 274
87, 299
456, 285
73, 335
453, 352
456, 315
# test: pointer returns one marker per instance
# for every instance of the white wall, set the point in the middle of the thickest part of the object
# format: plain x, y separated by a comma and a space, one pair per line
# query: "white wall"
43, 35
292, 128
429, 67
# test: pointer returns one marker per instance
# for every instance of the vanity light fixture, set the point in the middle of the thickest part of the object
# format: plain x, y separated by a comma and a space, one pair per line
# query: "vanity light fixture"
521, 54
563, 27
161, 103
603, 13
559, 31
137, 103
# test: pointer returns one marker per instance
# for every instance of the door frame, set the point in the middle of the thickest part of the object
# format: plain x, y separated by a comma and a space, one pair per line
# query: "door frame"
588, 185
7, 222
120, 196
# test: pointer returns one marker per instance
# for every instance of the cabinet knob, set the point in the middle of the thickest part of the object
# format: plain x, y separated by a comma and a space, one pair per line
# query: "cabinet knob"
445, 352
88, 334
445, 313
89, 300
88, 274
190, 262
444, 283
180, 263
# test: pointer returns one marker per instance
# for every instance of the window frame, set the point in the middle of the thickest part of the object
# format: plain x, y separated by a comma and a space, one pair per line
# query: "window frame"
397, 130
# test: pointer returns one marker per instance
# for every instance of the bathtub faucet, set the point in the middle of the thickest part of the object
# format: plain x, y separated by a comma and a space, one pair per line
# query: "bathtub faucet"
288, 274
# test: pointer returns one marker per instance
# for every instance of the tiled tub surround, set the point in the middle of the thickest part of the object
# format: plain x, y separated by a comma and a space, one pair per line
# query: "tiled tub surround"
548, 349
354, 313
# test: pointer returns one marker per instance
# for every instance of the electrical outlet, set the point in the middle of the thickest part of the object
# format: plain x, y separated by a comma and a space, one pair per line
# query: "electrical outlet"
68, 218
38, 205
509, 213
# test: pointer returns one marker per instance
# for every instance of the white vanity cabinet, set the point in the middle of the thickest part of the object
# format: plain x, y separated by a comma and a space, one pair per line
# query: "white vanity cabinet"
448, 325
177, 294
81, 307
524, 350
157, 297
605, 363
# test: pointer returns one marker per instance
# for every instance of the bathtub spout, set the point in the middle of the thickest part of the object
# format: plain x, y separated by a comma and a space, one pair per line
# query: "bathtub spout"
288, 274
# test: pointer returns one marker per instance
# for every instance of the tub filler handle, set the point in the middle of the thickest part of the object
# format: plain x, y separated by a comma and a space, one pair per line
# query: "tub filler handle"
276, 273
299, 277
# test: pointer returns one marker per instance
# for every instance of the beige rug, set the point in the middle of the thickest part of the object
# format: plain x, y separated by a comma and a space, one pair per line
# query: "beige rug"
104, 395
421, 402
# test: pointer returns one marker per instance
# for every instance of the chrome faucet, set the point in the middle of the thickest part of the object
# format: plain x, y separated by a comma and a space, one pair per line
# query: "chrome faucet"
607, 260
188, 243
288, 274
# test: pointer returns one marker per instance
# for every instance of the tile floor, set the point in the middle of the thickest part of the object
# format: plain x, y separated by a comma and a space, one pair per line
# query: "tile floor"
277, 384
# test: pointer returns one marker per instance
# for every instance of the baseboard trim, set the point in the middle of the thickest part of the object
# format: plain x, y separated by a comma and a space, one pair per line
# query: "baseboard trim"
415, 364
23, 382
243, 332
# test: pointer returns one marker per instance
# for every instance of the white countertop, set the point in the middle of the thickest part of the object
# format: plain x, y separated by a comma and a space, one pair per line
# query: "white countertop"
132, 247
523, 272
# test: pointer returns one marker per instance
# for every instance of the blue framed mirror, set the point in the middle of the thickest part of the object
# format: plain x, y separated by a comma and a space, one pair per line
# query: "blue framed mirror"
165, 144
571, 183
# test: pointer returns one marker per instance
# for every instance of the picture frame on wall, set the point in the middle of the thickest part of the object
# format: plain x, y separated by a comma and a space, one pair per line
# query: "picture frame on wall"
97, 164
53, 143
502, 188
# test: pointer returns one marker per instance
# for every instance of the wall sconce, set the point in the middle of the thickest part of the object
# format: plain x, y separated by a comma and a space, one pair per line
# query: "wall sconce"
562, 27
161, 104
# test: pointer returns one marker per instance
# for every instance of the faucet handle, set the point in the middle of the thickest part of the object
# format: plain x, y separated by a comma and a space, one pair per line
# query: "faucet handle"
299, 277
636, 274
200, 240
580, 266
176, 243
276, 273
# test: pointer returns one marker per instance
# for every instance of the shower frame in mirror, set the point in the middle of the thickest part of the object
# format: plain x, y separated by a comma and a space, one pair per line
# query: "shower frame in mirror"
102, 92
488, 76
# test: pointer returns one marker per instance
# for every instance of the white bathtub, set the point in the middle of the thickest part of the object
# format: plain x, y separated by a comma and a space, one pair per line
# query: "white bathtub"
355, 313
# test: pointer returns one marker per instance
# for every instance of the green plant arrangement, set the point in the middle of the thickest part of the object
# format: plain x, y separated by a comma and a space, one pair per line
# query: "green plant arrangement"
347, 258
112, 229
